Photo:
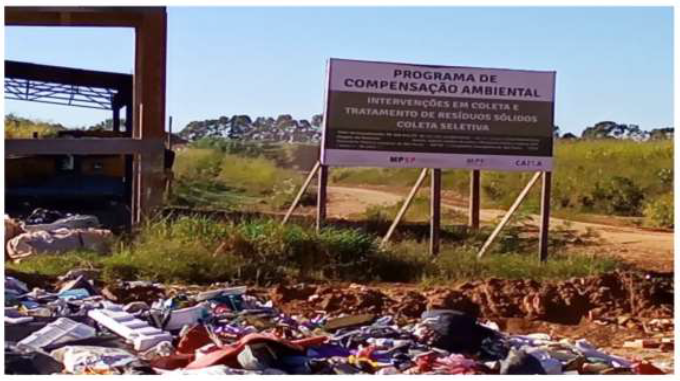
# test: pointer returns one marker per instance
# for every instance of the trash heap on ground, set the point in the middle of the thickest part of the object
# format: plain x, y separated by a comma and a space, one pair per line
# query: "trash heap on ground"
52, 232
145, 328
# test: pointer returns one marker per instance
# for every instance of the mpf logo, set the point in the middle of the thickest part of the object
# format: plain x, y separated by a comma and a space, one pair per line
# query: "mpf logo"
402, 159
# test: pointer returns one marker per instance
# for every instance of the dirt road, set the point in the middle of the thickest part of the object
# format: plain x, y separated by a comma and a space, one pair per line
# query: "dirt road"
650, 249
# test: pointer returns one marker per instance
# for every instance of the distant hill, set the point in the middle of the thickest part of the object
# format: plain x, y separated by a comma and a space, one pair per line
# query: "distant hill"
241, 127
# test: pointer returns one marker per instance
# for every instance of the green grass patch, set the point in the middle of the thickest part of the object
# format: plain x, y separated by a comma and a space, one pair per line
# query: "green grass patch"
210, 178
199, 250
57, 265
418, 211
197, 164
256, 175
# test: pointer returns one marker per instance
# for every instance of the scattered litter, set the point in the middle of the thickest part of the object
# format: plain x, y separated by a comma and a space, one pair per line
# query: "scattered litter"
93, 360
137, 331
44, 216
145, 328
12, 316
645, 367
12, 229
77, 221
15, 285
519, 362
642, 343
186, 316
58, 241
60, 331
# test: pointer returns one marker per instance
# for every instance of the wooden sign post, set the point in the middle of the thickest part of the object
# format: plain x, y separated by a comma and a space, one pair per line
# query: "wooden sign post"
404, 207
474, 199
545, 216
321, 196
435, 209
301, 192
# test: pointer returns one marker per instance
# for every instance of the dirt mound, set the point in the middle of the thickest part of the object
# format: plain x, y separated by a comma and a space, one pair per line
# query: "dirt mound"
603, 298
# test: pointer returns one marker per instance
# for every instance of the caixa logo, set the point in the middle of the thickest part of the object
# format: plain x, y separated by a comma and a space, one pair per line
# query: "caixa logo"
402, 159
529, 163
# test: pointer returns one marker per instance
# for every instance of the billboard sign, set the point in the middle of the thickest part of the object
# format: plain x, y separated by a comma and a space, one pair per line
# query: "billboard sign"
416, 116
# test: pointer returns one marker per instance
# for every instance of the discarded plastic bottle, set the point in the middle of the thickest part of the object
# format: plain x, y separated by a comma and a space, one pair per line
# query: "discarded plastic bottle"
388, 343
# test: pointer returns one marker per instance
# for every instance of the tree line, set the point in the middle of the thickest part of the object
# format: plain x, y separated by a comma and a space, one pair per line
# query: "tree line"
285, 128
614, 130
241, 127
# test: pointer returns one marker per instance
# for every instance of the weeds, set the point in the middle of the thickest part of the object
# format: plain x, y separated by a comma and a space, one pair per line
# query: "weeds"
199, 250
659, 213
207, 177
418, 211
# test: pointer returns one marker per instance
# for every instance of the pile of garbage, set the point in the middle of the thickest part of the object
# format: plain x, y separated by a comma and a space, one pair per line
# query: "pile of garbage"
142, 328
52, 232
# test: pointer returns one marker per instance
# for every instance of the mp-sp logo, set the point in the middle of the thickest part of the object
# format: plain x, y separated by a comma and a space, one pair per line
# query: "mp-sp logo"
402, 159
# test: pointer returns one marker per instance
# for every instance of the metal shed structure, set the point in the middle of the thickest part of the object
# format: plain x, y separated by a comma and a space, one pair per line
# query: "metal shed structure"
70, 87
146, 143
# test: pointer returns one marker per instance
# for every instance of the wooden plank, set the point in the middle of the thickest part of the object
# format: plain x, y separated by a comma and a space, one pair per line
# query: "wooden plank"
474, 203
82, 146
149, 103
404, 207
136, 191
545, 216
77, 16
321, 196
137, 168
435, 209
301, 192
509, 214
150, 74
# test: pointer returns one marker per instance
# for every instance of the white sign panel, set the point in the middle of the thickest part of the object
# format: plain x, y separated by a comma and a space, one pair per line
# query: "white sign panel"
399, 115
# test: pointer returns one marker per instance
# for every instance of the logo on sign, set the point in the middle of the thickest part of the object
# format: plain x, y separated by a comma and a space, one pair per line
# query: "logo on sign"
402, 159
529, 163
475, 161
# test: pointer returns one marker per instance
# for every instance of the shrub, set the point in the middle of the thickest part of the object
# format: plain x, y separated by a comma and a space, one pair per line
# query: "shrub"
659, 213
197, 164
619, 196
255, 175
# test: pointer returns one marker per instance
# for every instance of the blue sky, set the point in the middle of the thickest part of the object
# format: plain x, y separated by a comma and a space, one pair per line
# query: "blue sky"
611, 63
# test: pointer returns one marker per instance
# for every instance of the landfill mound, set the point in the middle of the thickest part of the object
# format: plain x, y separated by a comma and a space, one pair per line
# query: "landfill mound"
599, 298
80, 326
